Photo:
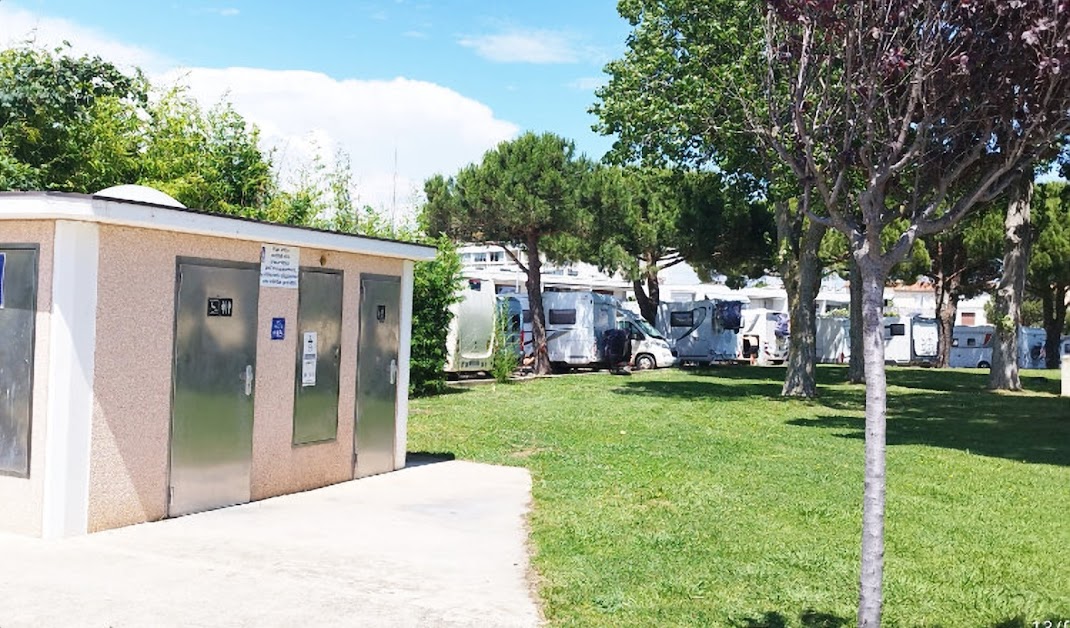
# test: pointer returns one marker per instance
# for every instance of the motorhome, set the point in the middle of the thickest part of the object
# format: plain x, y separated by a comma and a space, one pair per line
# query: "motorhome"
1064, 345
470, 336
910, 340
514, 305
833, 339
764, 336
576, 322
971, 346
1031, 348
701, 332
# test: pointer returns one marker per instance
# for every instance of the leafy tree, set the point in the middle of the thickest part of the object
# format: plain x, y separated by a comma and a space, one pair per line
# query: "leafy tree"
434, 290
674, 99
526, 193
1049, 264
67, 123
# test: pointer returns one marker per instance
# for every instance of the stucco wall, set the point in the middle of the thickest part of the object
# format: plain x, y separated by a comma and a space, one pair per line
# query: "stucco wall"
22, 498
131, 419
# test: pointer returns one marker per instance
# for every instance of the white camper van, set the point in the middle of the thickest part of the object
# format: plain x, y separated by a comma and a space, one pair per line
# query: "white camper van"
763, 337
1064, 346
971, 346
910, 340
471, 332
515, 306
701, 332
833, 339
1031, 348
576, 321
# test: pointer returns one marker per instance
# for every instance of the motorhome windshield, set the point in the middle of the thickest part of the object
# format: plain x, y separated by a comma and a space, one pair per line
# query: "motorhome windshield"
646, 328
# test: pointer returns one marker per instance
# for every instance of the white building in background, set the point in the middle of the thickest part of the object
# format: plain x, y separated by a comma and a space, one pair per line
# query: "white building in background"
681, 283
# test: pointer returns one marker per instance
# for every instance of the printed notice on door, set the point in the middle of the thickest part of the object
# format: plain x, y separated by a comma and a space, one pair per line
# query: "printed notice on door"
279, 266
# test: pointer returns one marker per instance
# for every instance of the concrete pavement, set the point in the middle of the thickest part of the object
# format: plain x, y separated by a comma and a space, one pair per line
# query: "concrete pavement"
432, 545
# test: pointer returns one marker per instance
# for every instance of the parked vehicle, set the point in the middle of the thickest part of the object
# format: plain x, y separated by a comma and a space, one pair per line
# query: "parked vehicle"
764, 336
971, 346
910, 340
701, 332
1031, 348
833, 339
1065, 346
515, 306
471, 332
577, 321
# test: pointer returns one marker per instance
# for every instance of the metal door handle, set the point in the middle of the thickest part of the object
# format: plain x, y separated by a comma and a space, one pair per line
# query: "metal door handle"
393, 371
248, 380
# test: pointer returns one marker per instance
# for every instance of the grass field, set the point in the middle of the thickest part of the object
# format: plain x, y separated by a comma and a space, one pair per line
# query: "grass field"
703, 498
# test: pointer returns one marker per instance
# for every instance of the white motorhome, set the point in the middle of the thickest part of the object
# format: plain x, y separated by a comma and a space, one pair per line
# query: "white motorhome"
702, 332
764, 336
910, 340
971, 346
1031, 348
470, 336
576, 322
833, 339
1064, 345
515, 306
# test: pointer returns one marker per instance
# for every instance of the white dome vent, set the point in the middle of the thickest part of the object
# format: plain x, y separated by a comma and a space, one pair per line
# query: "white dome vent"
139, 194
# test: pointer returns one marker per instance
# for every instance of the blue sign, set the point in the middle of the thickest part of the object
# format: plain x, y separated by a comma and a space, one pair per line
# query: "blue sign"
278, 328
3, 258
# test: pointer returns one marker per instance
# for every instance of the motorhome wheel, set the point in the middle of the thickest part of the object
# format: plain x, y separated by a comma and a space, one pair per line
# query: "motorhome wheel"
644, 361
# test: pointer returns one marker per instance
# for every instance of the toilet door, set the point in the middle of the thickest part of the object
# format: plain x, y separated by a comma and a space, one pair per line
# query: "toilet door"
377, 372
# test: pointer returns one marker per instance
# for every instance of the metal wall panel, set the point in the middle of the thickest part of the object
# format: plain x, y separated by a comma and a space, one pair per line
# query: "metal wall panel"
377, 368
18, 310
212, 408
316, 388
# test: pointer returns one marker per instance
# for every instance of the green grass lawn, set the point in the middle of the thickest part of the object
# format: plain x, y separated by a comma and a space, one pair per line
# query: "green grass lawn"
703, 498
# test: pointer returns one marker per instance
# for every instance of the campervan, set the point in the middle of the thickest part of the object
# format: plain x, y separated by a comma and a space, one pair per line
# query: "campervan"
471, 332
833, 339
764, 336
910, 340
701, 332
971, 346
515, 306
576, 322
1031, 348
1064, 345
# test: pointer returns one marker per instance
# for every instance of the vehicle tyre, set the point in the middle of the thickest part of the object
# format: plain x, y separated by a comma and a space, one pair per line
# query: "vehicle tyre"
645, 361
984, 365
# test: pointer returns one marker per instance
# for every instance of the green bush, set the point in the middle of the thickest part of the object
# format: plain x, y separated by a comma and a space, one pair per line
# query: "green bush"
504, 358
434, 290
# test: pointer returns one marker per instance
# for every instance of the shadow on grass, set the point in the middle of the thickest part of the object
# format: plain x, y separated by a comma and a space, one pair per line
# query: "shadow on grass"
807, 619
700, 389
442, 391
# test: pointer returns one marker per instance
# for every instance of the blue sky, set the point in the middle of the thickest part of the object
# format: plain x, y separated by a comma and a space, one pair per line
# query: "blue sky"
482, 71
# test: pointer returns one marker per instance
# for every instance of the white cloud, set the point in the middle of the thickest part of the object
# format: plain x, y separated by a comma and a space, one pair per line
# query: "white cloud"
588, 83
518, 46
433, 129
18, 26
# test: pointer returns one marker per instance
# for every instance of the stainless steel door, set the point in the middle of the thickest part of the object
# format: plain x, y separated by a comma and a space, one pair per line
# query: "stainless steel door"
212, 410
377, 368
319, 353
18, 310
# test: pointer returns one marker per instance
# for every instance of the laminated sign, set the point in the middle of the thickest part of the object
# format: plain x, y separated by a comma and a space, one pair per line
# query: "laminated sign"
309, 356
279, 266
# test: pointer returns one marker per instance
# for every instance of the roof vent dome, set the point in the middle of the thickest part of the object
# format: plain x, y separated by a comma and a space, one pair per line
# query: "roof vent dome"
139, 194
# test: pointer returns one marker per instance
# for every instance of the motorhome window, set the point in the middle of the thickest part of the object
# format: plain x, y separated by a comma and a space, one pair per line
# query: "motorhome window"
527, 317
562, 317
681, 319
645, 328
971, 342
897, 329
475, 285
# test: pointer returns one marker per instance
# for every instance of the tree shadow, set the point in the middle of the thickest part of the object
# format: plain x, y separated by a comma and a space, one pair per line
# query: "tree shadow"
807, 619
995, 428
700, 388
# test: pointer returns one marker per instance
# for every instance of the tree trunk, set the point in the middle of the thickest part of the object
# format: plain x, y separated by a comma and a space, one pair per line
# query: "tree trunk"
648, 296
538, 320
856, 371
1016, 244
802, 280
947, 307
1054, 320
872, 572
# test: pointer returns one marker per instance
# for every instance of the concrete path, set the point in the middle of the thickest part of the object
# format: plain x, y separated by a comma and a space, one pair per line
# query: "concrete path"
432, 545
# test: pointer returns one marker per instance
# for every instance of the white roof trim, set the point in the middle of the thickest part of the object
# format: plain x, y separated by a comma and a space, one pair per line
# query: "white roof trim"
56, 206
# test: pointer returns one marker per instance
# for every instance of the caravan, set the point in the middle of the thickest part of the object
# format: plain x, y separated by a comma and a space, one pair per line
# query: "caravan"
702, 332
764, 336
910, 340
471, 331
576, 322
971, 347
833, 339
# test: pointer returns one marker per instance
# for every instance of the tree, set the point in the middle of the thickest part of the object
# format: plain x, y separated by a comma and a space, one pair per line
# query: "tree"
883, 107
1049, 265
674, 99
646, 220
525, 193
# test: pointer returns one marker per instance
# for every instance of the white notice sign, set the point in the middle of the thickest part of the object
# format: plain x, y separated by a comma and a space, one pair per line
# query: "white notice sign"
279, 266
311, 345
309, 355
308, 372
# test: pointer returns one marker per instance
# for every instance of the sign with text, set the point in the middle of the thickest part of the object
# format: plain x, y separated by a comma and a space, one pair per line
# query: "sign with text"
279, 266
